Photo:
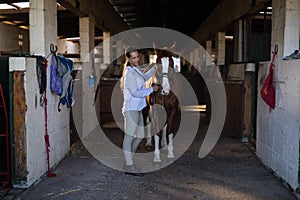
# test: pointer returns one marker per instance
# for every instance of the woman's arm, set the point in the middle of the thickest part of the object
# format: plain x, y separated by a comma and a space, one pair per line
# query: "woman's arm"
130, 83
149, 73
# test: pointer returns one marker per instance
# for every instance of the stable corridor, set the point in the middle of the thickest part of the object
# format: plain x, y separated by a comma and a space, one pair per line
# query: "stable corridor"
230, 171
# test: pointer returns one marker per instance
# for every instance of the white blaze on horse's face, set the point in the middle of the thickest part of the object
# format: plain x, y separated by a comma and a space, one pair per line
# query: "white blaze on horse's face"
165, 76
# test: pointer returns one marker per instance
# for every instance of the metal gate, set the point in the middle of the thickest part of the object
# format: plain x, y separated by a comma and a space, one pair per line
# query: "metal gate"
5, 175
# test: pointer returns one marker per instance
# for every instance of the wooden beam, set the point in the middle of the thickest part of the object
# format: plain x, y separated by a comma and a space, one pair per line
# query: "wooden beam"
223, 15
105, 16
13, 11
13, 1
19, 111
73, 6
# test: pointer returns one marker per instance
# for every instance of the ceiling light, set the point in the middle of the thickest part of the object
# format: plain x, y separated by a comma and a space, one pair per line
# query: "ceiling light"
24, 27
18, 22
5, 6
73, 38
228, 37
268, 13
9, 23
22, 4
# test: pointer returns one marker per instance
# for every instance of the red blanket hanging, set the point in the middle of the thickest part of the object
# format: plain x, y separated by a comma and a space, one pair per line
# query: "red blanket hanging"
268, 90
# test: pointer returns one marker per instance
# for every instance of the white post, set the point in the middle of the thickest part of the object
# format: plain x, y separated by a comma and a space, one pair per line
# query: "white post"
285, 26
89, 118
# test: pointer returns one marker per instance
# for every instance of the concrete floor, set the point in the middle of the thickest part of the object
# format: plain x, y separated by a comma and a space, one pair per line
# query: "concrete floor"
230, 171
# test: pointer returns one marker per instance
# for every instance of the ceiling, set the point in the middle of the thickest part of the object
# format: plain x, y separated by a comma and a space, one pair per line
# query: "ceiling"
181, 15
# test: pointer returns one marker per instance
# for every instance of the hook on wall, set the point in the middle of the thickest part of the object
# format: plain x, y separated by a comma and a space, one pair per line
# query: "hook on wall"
53, 48
276, 48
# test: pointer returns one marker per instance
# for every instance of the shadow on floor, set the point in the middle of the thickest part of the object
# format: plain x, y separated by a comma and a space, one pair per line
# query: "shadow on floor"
229, 171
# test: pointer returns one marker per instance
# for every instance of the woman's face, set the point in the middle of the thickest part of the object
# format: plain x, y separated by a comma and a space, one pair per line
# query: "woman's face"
134, 58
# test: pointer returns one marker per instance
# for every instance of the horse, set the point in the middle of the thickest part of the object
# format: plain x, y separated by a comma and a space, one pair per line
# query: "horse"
165, 77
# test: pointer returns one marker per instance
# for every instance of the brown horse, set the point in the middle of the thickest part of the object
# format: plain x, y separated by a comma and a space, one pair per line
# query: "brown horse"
163, 117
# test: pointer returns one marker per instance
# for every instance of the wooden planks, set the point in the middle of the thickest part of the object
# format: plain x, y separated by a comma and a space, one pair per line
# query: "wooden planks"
19, 125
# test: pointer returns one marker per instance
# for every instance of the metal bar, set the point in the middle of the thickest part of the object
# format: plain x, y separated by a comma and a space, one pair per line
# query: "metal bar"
11, 127
7, 173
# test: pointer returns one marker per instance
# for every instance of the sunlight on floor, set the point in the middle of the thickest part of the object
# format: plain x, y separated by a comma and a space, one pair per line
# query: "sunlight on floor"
195, 108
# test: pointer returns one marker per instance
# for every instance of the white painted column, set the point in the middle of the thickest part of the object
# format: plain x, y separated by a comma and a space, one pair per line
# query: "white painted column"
87, 41
238, 41
106, 48
87, 35
221, 48
191, 59
196, 60
285, 26
277, 142
43, 26
43, 32
208, 47
120, 51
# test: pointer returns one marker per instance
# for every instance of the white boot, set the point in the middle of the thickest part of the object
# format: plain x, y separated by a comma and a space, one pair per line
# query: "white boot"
156, 150
170, 147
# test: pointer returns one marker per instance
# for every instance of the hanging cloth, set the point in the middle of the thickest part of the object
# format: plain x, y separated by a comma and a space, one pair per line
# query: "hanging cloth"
268, 90
41, 70
47, 141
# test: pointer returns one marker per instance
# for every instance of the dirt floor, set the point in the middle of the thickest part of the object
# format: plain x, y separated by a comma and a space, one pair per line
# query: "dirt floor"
230, 171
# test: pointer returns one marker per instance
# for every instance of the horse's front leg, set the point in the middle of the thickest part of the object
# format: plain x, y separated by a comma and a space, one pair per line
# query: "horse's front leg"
170, 133
156, 149
170, 146
163, 142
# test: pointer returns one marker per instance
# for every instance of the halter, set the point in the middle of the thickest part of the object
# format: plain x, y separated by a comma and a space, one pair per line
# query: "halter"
159, 77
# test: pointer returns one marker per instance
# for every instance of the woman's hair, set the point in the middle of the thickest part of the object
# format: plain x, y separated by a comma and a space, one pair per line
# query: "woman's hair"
128, 50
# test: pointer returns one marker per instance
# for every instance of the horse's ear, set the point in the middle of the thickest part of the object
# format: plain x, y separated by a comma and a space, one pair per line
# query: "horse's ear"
173, 46
154, 47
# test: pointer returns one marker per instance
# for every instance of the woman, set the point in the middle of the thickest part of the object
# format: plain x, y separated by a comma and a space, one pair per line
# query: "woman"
133, 84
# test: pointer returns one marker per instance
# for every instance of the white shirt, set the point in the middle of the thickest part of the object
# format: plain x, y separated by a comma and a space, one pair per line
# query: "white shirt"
135, 89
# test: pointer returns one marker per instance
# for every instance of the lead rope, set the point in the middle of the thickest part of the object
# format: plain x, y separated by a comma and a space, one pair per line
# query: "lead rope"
47, 141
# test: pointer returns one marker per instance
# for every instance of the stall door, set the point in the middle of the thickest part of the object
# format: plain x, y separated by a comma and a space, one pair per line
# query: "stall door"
4, 124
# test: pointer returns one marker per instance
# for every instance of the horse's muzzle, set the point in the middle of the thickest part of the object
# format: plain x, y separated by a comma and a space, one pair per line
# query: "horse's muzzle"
165, 90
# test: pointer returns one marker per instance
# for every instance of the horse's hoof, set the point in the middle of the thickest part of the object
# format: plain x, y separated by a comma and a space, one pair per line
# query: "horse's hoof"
170, 156
157, 164
156, 160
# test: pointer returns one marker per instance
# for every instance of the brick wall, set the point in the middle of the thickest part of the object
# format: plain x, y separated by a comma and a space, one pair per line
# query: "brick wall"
34, 130
278, 131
